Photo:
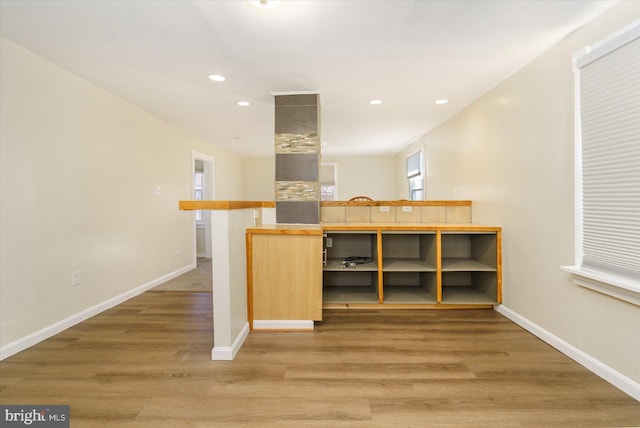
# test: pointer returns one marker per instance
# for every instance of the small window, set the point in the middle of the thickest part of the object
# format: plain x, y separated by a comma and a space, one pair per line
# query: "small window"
198, 187
415, 176
328, 181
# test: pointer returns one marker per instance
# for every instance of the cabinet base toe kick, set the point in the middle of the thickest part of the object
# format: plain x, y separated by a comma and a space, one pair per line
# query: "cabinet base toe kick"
356, 306
283, 325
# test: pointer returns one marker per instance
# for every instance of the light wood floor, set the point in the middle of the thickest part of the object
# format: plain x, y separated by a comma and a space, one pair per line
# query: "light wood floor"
198, 279
146, 363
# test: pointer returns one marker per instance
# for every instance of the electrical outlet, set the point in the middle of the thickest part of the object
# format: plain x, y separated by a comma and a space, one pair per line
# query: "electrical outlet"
329, 242
384, 209
75, 278
178, 249
406, 209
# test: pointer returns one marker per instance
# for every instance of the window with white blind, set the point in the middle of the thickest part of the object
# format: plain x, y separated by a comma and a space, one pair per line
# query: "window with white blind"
415, 176
198, 181
608, 166
328, 181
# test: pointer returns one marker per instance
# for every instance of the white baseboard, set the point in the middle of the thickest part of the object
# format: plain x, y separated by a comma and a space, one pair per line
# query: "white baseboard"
228, 353
305, 325
615, 378
27, 341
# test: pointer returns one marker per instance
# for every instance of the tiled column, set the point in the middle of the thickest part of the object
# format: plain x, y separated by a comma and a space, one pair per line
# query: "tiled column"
297, 149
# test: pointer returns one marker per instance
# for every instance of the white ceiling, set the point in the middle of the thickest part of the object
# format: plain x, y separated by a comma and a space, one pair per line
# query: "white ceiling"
157, 54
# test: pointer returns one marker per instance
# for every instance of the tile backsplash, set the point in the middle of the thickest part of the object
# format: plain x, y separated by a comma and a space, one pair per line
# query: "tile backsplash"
396, 214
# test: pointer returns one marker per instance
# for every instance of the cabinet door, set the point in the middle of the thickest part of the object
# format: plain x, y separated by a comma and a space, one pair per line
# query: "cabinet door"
287, 277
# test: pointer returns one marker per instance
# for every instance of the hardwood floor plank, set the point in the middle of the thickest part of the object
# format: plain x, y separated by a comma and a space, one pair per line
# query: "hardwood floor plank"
318, 388
266, 409
147, 363
378, 371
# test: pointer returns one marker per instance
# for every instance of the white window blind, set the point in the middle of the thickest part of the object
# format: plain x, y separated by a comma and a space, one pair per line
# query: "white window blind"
610, 130
413, 164
327, 174
415, 176
608, 166
328, 181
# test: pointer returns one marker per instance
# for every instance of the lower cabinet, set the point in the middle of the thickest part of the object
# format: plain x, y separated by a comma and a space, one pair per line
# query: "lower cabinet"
439, 266
350, 272
368, 267
284, 276
470, 267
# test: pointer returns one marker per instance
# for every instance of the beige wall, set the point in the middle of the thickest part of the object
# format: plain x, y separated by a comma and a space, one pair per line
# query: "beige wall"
79, 173
373, 176
511, 152
258, 178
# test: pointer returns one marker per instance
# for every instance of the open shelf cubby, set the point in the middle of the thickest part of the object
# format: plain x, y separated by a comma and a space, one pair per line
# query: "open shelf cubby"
410, 287
469, 252
434, 266
350, 287
469, 287
407, 252
339, 246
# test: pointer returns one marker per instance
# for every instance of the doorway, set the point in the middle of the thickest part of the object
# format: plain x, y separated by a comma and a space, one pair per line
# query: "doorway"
202, 189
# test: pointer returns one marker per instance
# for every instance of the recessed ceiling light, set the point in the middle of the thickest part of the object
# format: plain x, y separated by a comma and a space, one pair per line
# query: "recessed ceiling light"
243, 103
217, 78
265, 4
442, 101
375, 102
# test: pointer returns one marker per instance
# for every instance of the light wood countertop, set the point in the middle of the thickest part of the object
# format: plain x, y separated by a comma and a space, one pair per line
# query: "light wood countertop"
287, 229
234, 205
410, 226
395, 203
219, 205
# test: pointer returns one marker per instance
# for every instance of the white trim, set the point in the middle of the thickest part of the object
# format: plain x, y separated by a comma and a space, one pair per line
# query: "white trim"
27, 341
617, 379
611, 285
577, 168
228, 353
608, 44
283, 325
295, 93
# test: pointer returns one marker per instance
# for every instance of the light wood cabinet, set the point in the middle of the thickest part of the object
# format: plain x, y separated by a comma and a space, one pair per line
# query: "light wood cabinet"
293, 273
284, 272
422, 266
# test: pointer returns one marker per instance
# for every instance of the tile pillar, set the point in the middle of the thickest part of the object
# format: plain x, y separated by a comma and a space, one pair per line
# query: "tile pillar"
297, 150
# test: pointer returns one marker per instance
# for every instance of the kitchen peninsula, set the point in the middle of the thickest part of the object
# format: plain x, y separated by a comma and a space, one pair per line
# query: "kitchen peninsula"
411, 254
